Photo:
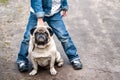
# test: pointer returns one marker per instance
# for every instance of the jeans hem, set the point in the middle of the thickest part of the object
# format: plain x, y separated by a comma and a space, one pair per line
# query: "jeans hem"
74, 59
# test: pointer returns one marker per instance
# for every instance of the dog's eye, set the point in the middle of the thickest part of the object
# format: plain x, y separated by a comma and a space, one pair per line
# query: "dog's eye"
46, 33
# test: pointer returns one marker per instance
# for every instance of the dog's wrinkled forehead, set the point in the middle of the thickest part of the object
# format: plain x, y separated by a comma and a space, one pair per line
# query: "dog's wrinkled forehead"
41, 30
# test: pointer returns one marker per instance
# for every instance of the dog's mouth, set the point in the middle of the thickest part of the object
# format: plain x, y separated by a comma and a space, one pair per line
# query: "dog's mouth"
41, 38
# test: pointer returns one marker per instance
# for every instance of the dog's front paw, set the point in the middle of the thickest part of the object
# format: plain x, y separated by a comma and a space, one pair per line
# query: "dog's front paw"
53, 71
33, 72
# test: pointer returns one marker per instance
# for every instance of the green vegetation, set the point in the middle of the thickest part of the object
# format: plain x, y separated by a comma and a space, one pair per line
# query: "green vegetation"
3, 1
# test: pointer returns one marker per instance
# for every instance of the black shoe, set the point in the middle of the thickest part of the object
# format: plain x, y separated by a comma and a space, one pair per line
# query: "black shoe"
77, 64
22, 66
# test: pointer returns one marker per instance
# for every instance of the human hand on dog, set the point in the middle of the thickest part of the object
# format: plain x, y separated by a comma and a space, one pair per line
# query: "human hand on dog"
40, 22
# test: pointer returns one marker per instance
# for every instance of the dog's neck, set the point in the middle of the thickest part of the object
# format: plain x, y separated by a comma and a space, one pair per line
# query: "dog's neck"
42, 46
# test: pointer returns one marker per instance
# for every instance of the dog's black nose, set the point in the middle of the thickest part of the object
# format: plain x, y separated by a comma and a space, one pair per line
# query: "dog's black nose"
41, 38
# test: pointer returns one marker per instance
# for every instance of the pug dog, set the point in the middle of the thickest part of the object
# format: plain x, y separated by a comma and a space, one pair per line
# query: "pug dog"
42, 50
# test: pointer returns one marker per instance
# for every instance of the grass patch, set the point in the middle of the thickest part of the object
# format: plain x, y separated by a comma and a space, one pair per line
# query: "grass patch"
3, 1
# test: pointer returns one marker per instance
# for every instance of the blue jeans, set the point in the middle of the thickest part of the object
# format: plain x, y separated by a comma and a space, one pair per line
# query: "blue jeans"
57, 24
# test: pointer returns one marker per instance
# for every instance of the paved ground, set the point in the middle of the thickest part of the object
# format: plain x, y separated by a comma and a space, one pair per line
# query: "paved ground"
94, 26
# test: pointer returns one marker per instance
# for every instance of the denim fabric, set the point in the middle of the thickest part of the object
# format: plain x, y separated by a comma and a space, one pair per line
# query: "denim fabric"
57, 24
42, 7
32, 22
64, 5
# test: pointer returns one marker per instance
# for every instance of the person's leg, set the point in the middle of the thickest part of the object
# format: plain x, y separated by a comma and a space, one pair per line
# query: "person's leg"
22, 55
57, 24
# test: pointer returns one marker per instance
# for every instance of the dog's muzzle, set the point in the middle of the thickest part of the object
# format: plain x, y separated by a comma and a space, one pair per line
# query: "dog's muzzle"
41, 38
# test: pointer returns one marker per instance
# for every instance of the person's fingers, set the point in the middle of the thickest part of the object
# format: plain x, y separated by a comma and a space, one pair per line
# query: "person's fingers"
64, 13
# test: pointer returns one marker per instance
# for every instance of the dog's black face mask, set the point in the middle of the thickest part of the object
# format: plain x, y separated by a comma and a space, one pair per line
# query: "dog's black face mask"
41, 38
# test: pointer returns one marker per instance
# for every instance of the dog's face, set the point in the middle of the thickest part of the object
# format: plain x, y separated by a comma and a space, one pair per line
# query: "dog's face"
42, 35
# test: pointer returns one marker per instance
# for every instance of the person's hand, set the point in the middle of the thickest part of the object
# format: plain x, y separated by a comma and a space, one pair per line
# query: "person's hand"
64, 13
40, 22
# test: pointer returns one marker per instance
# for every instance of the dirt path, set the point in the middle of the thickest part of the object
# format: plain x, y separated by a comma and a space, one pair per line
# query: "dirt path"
93, 26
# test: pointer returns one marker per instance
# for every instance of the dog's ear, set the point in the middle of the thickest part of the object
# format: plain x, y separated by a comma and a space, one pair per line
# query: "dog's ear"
32, 30
50, 31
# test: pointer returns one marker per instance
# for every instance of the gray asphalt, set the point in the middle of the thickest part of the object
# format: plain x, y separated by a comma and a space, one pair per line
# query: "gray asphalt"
93, 26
